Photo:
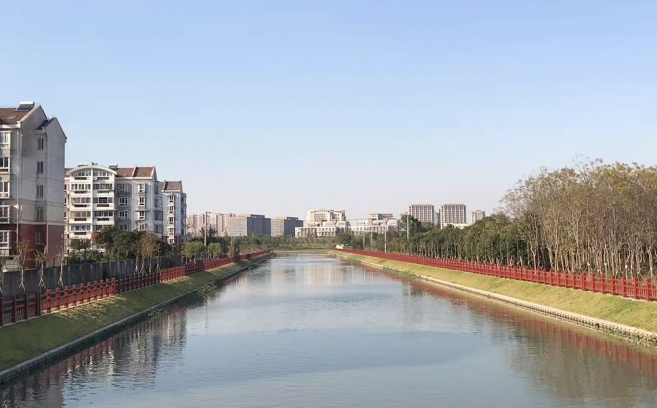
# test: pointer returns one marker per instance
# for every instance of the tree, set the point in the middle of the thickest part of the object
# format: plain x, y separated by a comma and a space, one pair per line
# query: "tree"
194, 250
148, 248
216, 250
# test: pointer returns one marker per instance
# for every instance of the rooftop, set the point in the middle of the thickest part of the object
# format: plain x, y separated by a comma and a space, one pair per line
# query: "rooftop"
12, 115
173, 186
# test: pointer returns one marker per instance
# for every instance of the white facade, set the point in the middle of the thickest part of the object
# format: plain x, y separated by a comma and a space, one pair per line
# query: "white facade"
319, 216
477, 215
176, 217
423, 212
32, 150
453, 214
128, 198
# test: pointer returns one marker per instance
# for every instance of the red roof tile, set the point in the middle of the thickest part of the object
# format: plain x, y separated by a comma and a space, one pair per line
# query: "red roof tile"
9, 116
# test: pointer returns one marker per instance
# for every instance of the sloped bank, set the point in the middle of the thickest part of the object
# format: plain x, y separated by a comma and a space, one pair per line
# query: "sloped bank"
31, 344
627, 318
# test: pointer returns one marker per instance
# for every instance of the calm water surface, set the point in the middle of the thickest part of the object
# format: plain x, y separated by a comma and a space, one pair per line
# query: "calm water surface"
312, 331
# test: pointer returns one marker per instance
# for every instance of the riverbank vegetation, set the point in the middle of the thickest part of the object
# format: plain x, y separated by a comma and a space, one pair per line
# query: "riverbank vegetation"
607, 307
590, 218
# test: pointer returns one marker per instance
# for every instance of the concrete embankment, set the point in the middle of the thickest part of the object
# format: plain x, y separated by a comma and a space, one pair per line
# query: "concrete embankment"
31, 344
626, 318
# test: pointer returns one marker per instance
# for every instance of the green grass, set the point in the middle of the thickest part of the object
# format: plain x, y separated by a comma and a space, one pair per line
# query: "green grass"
615, 309
29, 339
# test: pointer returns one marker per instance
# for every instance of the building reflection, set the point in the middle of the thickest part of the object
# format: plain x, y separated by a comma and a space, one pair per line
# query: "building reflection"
139, 349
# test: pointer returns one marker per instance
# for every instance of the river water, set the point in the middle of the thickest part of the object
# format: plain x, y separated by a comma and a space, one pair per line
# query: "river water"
313, 331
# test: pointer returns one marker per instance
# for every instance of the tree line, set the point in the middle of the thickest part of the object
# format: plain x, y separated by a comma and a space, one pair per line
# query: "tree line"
589, 218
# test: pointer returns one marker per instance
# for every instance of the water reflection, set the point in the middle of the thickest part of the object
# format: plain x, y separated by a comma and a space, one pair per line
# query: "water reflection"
142, 350
314, 331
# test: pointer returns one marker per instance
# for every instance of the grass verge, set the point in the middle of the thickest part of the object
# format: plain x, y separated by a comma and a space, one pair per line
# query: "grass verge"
26, 340
639, 314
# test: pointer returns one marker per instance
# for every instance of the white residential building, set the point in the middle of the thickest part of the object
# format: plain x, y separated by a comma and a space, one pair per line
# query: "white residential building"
176, 217
423, 212
128, 198
453, 214
32, 149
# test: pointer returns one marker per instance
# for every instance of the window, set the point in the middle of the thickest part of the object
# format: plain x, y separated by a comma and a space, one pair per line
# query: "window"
172, 241
142, 200
103, 187
171, 231
4, 189
104, 214
81, 200
142, 215
39, 167
4, 239
39, 213
171, 198
157, 202
38, 238
171, 220
5, 139
41, 143
142, 188
157, 189
123, 187
142, 227
123, 227
39, 192
4, 164
123, 201
103, 200
123, 214
4, 213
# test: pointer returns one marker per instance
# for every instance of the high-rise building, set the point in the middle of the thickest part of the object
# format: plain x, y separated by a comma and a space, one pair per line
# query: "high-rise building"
249, 225
129, 198
319, 216
477, 215
32, 149
285, 226
217, 224
452, 214
423, 212
379, 216
176, 202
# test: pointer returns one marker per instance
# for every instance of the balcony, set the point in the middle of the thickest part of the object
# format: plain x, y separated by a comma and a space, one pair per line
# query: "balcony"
5, 194
105, 220
81, 205
80, 219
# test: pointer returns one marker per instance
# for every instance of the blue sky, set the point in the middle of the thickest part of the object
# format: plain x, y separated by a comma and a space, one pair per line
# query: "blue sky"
278, 107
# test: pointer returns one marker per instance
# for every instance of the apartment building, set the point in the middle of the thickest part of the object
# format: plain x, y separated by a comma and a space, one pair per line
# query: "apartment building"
285, 226
318, 216
176, 218
32, 152
423, 212
249, 225
453, 214
477, 215
129, 198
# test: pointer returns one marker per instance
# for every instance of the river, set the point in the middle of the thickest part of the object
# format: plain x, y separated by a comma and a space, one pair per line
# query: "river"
313, 331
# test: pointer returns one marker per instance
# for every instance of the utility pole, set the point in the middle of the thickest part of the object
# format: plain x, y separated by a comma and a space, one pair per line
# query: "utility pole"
385, 240
205, 235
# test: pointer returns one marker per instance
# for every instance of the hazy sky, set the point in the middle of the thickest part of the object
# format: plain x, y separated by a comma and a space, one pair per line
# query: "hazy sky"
278, 107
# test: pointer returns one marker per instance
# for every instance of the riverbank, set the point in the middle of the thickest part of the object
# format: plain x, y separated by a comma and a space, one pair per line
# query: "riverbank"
37, 341
619, 316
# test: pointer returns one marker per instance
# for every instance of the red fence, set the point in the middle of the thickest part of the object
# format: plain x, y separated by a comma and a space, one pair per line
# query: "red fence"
630, 288
35, 304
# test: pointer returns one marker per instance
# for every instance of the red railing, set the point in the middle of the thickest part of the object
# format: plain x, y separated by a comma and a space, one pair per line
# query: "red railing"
630, 288
34, 304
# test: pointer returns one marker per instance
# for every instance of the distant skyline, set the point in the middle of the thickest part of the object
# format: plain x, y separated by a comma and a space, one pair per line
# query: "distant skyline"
279, 107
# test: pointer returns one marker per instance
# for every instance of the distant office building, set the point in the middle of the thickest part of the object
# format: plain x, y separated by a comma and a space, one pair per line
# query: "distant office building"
452, 214
249, 225
320, 216
285, 226
423, 212
477, 215
217, 224
379, 216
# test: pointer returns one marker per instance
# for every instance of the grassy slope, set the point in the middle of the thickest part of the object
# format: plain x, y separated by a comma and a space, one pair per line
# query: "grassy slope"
639, 314
26, 340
